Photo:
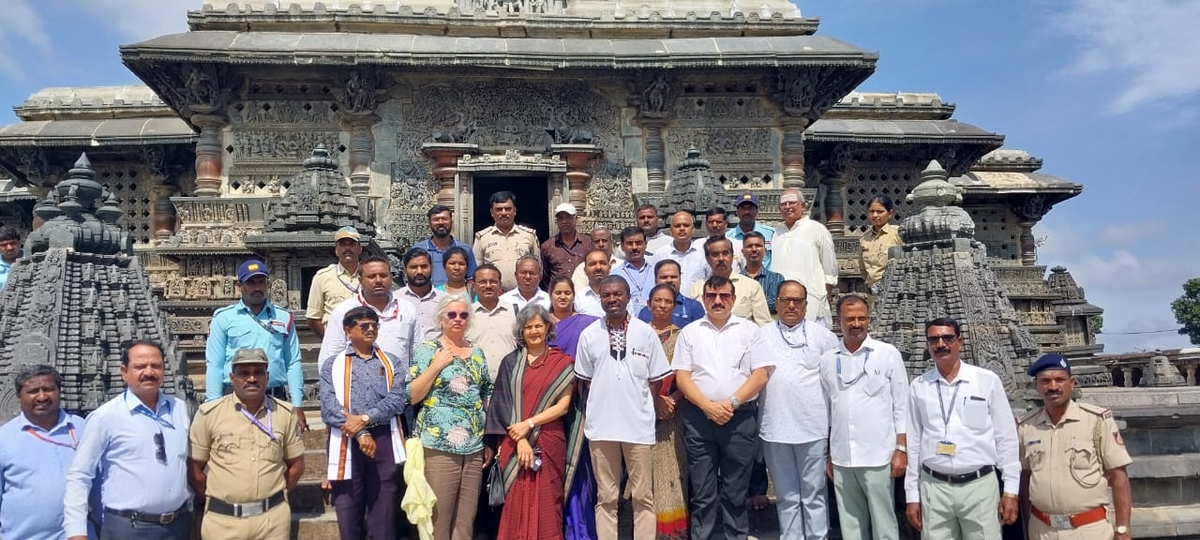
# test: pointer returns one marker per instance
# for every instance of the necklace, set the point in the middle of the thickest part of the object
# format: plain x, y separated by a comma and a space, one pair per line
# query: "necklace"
536, 361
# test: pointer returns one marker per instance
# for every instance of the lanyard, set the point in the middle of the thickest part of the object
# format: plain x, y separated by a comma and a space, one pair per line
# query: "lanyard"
353, 290
269, 428
804, 329
383, 316
70, 431
641, 286
942, 404
866, 359
268, 325
142, 410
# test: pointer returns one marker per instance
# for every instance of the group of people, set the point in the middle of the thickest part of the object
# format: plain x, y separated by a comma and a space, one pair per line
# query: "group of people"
557, 378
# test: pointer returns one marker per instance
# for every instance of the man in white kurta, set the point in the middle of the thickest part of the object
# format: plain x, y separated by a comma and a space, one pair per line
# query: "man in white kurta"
803, 250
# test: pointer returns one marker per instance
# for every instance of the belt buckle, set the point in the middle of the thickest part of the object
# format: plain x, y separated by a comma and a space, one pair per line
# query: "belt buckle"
1061, 522
166, 519
249, 510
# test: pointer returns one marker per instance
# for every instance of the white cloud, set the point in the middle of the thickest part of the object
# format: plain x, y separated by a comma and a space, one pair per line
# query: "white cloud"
1126, 234
138, 20
1151, 44
21, 30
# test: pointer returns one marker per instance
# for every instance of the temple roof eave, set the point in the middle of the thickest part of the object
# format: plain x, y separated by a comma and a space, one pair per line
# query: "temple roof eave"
1002, 183
877, 131
97, 133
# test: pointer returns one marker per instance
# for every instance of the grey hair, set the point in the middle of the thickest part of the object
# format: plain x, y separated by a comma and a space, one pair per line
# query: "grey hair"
528, 313
528, 257
444, 306
29, 371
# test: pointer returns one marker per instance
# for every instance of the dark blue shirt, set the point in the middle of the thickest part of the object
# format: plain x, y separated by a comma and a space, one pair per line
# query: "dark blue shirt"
770, 282
437, 256
686, 311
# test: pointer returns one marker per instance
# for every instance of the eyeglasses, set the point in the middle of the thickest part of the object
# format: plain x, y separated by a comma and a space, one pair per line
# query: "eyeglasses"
160, 448
790, 300
364, 326
933, 340
723, 296
457, 315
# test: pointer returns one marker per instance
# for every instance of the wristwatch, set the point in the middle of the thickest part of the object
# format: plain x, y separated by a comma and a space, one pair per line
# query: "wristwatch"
901, 448
733, 402
532, 425
1121, 529
366, 419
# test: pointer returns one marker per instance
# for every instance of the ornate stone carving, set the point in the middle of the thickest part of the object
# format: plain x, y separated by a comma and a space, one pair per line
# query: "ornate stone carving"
707, 110
291, 113
360, 93
203, 90
656, 97
722, 145
1032, 208
609, 197
286, 146
414, 191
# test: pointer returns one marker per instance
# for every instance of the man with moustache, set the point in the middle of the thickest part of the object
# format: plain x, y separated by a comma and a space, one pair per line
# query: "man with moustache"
36, 448
754, 249
441, 221
136, 449
803, 251
336, 282
750, 303
419, 292
647, 221
245, 452
866, 385
505, 242
720, 378
529, 275
716, 223
1071, 453
747, 213
563, 252
397, 319
794, 427
637, 269
686, 310
686, 251
602, 240
362, 392
587, 298
962, 431
491, 323
621, 363
10, 251
255, 323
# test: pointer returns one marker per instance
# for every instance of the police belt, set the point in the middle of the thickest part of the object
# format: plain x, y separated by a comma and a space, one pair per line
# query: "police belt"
955, 479
244, 510
145, 517
1070, 521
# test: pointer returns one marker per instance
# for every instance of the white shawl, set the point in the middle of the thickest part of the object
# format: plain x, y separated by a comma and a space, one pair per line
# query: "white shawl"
339, 446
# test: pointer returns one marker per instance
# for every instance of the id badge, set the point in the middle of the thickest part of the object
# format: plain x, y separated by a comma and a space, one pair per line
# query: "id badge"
945, 448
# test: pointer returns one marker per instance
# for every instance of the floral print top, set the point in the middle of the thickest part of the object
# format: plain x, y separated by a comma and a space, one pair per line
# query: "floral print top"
451, 416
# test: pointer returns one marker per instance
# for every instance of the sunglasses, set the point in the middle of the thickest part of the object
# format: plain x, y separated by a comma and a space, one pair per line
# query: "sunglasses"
789, 300
723, 296
160, 449
364, 326
933, 340
457, 315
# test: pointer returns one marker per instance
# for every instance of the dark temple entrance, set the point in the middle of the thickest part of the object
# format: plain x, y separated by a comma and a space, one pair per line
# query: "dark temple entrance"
532, 194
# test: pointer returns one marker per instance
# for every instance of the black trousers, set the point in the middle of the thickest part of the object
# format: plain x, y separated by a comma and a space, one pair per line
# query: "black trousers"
720, 461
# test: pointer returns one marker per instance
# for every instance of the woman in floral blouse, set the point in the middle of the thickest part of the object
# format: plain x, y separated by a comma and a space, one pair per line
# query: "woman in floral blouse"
449, 380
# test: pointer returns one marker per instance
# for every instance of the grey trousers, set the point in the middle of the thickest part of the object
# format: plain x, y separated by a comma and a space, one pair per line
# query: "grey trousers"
720, 459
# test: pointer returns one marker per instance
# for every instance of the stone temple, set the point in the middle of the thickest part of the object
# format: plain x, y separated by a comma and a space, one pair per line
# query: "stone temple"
268, 124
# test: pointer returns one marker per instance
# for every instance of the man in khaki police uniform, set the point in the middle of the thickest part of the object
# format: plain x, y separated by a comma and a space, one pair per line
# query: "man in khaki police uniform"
504, 243
1070, 454
251, 457
336, 282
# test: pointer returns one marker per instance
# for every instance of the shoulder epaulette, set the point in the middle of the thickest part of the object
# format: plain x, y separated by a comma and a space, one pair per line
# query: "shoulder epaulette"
208, 406
486, 230
526, 229
223, 309
1030, 415
327, 269
283, 405
1096, 410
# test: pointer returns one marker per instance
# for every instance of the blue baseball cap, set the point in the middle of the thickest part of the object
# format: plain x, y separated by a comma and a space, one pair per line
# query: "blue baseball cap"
251, 268
747, 198
1049, 361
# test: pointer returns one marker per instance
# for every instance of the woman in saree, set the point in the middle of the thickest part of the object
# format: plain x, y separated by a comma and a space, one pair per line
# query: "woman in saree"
670, 460
539, 438
568, 323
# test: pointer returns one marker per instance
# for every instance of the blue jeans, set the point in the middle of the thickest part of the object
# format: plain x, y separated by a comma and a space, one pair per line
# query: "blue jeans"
120, 528
798, 471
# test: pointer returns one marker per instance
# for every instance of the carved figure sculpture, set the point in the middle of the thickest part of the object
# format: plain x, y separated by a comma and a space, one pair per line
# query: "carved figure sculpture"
654, 98
458, 133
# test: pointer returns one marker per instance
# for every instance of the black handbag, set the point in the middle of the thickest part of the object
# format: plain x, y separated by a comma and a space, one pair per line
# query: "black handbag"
495, 485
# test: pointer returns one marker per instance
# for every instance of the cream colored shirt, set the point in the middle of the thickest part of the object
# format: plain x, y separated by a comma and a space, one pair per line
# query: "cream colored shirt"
874, 258
749, 303
492, 332
504, 250
1067, 462
868, 402
244, 463
330, 286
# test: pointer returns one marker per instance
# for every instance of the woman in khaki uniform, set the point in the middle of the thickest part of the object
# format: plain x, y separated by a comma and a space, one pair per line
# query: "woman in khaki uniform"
876, 242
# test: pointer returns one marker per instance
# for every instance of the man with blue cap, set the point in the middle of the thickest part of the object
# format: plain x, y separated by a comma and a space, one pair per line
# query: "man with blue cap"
255, 323
747, 213
1071, 453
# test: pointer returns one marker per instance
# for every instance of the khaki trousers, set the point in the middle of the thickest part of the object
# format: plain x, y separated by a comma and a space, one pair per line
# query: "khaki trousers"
276, 524
968, 511
455, 480
866, 507
639, 463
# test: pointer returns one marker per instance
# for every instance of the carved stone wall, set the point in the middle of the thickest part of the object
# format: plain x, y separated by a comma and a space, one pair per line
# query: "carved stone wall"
866, 180
271, 133
134, 188
730, 127
609, 198
996, 227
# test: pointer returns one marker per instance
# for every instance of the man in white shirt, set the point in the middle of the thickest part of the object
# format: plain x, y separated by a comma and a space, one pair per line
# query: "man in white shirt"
419, 292
397, 318
602, 239
529, 275
866, 385
795, 420
622, 365
751, 301
492, 321
720, 380
803, 250
684, 249
647, 221
587, 298
962, 430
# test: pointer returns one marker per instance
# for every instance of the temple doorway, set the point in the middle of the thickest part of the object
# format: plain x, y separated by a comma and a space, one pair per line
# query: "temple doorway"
533, 196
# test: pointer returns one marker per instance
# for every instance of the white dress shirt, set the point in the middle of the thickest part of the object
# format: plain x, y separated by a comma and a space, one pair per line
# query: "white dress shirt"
805, 253
719, 359
397, 331
692, 264
514, 297
794, 411
620, 407
868, 402
588, 302
980, 425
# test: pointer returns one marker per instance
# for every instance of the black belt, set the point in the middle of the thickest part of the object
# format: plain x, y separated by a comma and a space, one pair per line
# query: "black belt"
244, 510
161, 519
960, 478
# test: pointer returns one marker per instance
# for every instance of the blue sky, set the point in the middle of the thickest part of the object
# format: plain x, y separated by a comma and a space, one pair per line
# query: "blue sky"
1107, 92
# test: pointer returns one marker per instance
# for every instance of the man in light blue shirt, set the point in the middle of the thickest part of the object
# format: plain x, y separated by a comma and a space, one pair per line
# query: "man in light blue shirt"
136, 447
10, 251
441, 219
255, 323
36, 448
747, 213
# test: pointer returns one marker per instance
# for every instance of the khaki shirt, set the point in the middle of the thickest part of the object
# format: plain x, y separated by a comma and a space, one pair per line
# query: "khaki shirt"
750, 302
244, 464
1066, 465
330, 286
874, 259
492, 331
503, 250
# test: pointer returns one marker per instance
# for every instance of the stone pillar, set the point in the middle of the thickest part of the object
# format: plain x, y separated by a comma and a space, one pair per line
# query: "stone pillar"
1127, 374
209, 154
361, 152
165, 219
1030, 210
445, 168
1028, 243
1190, 370
656, 173
655, 102
792, 152
577, 157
